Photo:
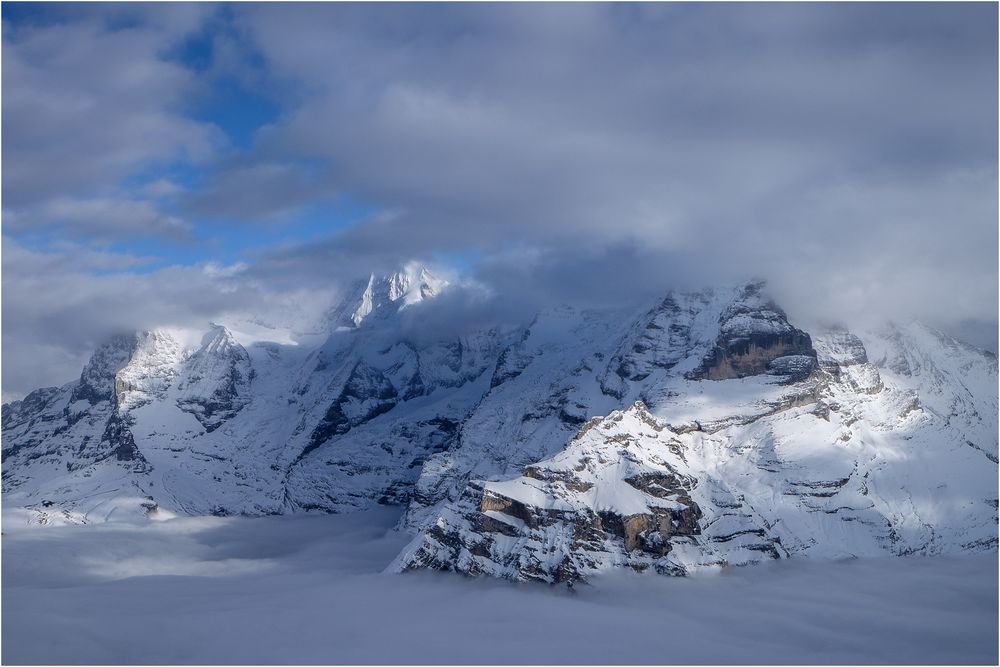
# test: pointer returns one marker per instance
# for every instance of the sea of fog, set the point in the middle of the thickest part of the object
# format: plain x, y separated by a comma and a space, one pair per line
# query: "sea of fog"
310, 589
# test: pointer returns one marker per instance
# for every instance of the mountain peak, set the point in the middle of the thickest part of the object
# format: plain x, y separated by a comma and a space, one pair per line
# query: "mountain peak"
218, 337
383, 294
97, 381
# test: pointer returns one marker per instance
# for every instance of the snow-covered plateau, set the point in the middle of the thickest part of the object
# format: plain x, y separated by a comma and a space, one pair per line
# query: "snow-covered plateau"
697, 433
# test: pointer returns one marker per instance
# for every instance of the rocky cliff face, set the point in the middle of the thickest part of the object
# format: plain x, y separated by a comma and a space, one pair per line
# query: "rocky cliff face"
98, 379
215, 383
617, 495
80, 424
702, 430
754, 338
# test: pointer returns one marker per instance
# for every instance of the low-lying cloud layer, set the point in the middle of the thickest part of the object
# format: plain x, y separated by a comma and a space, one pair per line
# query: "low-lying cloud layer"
308, 590
557, 153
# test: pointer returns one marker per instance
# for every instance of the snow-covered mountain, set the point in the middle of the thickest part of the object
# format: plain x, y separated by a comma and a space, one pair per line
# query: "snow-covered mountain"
701, 430
384, 295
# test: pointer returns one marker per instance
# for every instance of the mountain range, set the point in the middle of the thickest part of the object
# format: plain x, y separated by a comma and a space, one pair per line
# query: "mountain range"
702, 429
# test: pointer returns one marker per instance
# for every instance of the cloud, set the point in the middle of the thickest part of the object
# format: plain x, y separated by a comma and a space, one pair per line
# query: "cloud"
834, 149
592, 154
88, 101
58, 306
162, 188
307, 589
104, 219
257, 192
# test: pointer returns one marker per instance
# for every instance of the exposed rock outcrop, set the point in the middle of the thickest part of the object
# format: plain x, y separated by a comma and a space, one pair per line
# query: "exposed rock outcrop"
215, 384
615, 496
754, 338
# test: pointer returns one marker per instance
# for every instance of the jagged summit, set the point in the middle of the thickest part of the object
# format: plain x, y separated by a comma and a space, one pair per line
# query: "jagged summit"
756, 337
385, 294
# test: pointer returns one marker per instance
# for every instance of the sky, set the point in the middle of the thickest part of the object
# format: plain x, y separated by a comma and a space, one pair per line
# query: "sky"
175, 164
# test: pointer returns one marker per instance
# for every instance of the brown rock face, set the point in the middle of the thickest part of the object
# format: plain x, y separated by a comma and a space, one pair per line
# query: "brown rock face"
753, 333
634, 527
750, 355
